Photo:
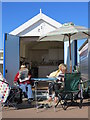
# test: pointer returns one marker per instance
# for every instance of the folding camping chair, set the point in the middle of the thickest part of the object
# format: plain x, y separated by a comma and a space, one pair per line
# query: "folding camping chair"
9, 96
13, 98
72, 91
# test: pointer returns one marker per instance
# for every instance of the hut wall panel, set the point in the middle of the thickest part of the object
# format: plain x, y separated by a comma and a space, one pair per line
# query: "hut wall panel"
84, 63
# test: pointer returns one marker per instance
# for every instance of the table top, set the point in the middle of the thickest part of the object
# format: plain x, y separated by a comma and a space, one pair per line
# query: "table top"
44, 79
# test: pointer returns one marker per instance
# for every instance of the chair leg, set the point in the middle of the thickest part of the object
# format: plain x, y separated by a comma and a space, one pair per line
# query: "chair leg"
81, 99
57, 103
65, 103
59, 99
20, 98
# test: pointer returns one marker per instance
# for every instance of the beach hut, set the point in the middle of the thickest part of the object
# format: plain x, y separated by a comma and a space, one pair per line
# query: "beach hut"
84, 59
22, 44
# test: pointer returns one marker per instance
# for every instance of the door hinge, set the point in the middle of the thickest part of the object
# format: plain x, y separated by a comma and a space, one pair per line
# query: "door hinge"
5, 36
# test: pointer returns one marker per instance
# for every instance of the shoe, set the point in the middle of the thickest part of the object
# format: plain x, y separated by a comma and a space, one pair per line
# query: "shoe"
40, 106
47, 106
29, 101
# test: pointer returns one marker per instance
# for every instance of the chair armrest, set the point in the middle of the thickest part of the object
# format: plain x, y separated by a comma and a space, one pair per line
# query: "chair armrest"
84, 81
85, 84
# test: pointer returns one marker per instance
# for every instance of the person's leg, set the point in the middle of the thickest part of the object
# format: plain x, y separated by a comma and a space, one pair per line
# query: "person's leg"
50, 91
56, 88
29, 92
23, 88
20, 95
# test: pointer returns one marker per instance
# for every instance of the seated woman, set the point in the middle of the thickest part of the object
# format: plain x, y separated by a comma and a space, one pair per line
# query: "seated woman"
59, 74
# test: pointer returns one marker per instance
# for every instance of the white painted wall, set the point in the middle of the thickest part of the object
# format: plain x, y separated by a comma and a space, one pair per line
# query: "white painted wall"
38, 55
1, 61
37, 29
56, 54
43, 71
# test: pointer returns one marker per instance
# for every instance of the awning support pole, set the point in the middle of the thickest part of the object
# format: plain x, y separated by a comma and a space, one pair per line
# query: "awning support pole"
70, 55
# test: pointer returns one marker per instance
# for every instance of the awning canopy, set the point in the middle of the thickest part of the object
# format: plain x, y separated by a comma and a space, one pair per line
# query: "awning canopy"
68, 31
63, 33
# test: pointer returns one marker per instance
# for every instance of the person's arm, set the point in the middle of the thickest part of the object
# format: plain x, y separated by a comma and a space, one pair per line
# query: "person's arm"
62, 79
29, 74
52, 74
16, 79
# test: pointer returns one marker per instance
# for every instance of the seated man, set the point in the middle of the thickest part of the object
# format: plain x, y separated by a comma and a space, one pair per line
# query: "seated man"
23, 78
59, 74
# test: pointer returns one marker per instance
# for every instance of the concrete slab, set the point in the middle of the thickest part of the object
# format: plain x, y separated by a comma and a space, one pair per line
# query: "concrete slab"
29, 112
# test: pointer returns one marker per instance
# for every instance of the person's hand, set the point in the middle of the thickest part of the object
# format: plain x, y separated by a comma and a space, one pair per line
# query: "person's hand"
47, 76
29, 76
18, 76
63, 79
15, 83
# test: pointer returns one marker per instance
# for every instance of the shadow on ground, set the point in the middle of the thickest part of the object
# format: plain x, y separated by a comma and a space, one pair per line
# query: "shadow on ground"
26, 105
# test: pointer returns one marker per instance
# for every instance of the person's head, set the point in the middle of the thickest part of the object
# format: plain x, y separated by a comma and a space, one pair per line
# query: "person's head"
64, 68
60, 66
23, 67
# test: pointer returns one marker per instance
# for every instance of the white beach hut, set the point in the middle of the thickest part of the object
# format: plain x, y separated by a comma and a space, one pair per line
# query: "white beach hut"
43, 56
84, 56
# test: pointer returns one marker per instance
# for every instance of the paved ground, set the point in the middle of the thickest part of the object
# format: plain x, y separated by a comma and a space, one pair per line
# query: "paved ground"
27, 112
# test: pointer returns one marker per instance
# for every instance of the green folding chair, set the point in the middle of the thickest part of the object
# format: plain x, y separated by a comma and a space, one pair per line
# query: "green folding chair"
72, 91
